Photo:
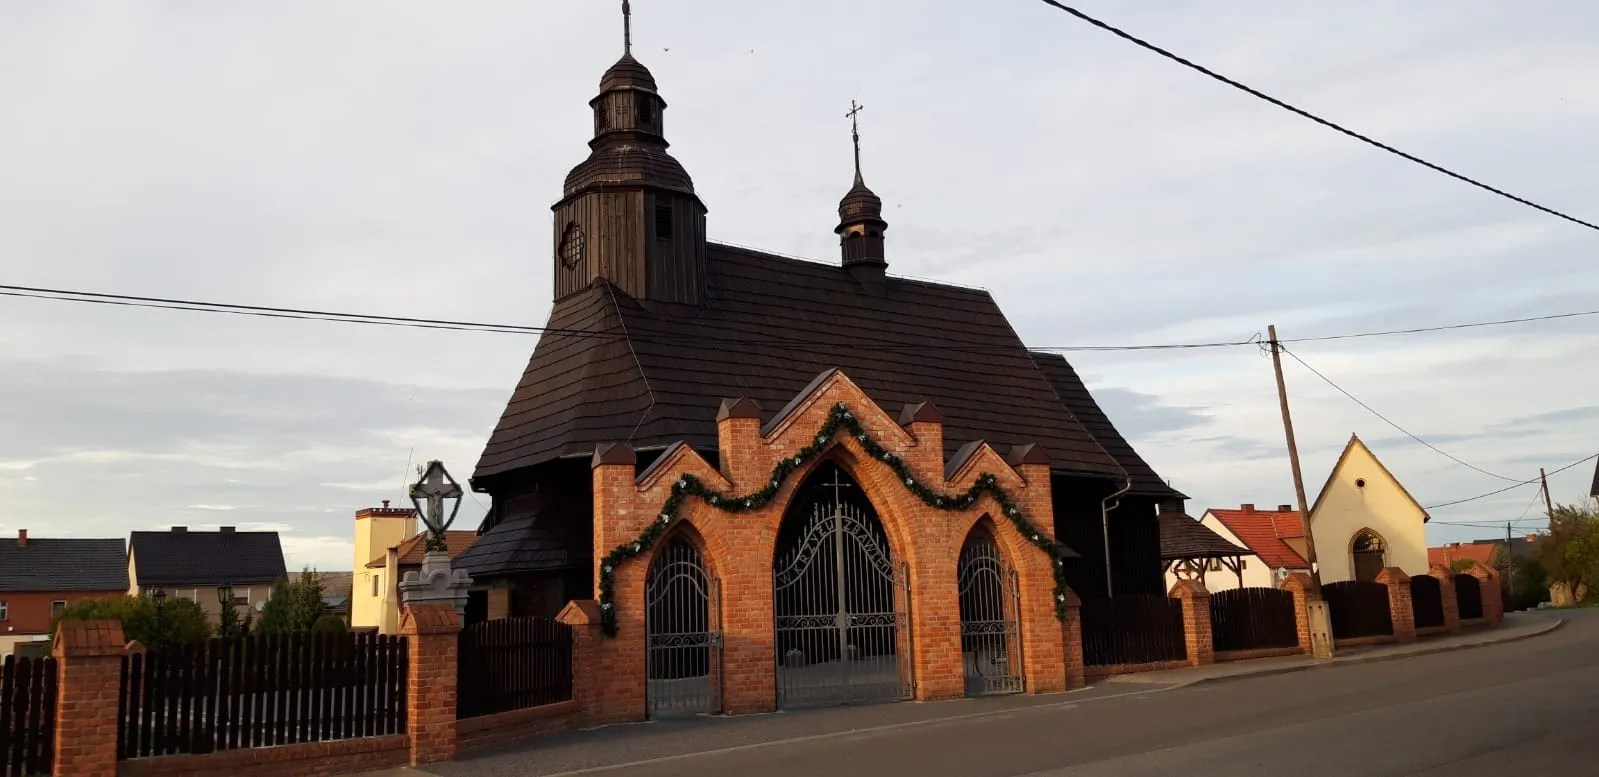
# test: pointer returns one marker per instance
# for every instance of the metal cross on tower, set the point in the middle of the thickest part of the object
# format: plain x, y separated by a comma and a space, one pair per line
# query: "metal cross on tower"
855, 134
627, 27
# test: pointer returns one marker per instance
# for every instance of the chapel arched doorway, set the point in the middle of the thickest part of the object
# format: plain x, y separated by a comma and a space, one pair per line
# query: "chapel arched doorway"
1368, 554
683, 638
990, 610
841, 600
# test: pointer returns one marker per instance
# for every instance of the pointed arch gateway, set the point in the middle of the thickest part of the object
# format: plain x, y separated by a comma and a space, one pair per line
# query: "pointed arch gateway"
990, 610
682, 624
841, 599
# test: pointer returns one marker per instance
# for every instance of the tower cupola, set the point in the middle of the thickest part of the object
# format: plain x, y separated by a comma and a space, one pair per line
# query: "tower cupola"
860, 219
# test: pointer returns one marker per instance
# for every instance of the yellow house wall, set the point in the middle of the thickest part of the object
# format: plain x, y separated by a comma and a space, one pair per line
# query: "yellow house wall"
373, 536
1343, 509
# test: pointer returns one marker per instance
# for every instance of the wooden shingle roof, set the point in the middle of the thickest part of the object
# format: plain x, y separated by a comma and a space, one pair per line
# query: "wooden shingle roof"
1182, 537
770, 325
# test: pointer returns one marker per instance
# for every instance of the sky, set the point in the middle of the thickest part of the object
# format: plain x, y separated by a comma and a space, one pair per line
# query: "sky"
398, 159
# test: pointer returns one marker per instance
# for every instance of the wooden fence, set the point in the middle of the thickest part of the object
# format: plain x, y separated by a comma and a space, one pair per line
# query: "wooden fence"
1253, 619
1427, 601
1358, 609
512, 664
261, 691
27, 715
1132, 630
1468, 594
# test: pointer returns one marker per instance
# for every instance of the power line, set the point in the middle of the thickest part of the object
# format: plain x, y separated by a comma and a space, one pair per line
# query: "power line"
1313, 117
1386, 420
1579, 462
303, 314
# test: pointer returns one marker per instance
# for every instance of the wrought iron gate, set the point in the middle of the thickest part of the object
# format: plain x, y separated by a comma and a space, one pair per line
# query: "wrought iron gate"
683, 637
842, 605
990, 608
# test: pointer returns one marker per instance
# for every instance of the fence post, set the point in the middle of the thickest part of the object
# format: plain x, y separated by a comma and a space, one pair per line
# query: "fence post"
1073, 629
1298, 584
1446, 588
432, 633
88, 681
1196, 621
1493, 599
1401, 610
584, 618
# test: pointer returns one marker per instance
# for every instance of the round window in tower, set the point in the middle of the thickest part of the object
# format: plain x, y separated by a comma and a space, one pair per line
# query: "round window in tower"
571, 245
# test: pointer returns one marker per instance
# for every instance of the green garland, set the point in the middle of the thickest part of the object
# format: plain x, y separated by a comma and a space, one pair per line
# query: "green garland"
688, 486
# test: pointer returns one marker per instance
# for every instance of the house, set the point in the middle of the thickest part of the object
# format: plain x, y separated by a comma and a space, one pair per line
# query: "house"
1481, 553
387, 545
1189, 549
668, 356
1274, 539
41, 576
205, 566
1364, 520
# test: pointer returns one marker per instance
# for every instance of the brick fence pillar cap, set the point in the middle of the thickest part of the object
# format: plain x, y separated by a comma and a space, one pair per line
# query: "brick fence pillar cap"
580, 612
1392, 575
1188, 589
742, 407
1296, 581
429, 619
88, 638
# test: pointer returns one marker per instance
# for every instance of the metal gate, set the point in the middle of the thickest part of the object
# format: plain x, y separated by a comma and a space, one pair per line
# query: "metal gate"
990, 607
842, 607
683, 638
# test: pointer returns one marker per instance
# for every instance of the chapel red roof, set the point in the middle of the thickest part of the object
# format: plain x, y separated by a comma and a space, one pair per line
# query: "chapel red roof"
1263, 532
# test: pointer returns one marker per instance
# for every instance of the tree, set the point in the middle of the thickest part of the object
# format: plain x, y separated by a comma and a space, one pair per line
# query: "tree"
230, 623
1570, 552
294, 606
175, 622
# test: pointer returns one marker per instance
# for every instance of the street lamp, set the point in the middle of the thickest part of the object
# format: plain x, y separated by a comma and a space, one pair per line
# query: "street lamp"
225, 600
160, 597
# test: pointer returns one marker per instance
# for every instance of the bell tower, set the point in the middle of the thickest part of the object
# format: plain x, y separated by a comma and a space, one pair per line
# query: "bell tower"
629, 213
860, 220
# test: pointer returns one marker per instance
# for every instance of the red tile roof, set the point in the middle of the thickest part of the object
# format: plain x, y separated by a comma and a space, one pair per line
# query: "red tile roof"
412, 550
1263, 532
1448, 554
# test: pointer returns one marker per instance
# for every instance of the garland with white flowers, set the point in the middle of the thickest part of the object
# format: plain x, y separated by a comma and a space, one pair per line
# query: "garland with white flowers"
688, 486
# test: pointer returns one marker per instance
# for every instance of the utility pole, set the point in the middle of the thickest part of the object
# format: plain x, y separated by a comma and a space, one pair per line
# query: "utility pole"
1548, 503
1293, 460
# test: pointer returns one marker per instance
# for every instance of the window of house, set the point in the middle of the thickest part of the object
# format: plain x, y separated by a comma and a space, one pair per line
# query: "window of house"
57, 606
663, 221
602, 118
646, 111
2, 609
375, 584
1215, 565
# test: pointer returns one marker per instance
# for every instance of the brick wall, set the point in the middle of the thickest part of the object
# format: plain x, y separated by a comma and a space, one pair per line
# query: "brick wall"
1401, 610
739, 548
1195, 602
28, 612
311, 759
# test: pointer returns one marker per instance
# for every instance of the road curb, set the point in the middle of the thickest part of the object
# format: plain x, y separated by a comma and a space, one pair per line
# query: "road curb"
1278, 670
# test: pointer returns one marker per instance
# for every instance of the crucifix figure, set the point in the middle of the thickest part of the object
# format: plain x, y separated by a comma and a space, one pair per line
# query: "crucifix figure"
627, 27
433, 487
855, 134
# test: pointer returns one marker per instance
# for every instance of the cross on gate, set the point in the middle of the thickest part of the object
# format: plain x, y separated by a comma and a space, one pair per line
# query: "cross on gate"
838, 485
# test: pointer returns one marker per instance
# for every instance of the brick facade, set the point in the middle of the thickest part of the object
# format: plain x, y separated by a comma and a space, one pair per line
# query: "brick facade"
1196, 621
432, 633
88, 678
739, 548
1298, 584
310, 759
1446, 588
1401, 610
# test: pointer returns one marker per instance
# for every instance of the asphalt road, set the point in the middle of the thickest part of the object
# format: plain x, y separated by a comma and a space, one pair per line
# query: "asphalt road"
1526, 708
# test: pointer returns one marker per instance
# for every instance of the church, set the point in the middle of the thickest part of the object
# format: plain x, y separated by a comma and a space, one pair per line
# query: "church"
785, 483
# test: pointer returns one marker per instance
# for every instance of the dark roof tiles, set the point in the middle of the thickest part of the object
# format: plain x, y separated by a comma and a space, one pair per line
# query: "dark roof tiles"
1182, 537
1087, 411
770, 327
50, 564
167, 558
516, 547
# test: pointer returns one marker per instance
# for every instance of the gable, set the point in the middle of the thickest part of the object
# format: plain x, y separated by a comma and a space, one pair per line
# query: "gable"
1264, 532
615, 369
1356, 465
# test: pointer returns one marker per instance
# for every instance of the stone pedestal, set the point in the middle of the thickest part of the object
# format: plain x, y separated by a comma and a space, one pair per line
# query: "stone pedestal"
436, 584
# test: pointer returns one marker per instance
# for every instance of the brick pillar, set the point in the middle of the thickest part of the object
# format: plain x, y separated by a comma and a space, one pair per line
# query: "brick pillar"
1400, 608
1446, 588
926, 424
1493, 598
1073, 628
738, 435
583, 615
1196, 621
88, 680
619, 695
1298, 584
432, 633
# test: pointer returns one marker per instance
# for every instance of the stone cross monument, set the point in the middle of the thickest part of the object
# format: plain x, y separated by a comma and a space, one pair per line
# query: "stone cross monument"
436, 583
